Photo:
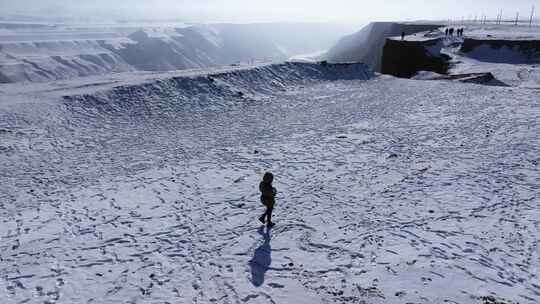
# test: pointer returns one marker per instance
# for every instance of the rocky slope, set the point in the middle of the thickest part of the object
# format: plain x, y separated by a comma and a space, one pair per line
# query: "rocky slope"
54, 53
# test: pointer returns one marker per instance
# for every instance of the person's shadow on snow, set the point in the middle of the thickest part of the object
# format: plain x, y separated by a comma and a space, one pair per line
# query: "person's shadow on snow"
262, 259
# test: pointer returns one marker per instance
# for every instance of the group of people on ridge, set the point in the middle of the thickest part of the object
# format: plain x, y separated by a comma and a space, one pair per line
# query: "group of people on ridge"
450, 32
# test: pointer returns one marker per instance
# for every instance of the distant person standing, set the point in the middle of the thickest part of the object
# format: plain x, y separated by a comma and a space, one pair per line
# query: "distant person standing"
451, 31
402, 35
268, 198
446, 32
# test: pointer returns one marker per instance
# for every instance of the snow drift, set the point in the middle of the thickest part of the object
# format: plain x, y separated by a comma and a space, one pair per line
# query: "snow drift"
503, 50
367, 44
167, 96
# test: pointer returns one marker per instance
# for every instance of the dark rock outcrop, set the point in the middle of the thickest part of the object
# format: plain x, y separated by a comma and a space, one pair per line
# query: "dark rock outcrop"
478, 78
485, 78
367, 45
406, 58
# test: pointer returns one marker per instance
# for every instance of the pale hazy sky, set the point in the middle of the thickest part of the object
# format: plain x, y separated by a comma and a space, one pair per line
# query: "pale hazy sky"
272, 10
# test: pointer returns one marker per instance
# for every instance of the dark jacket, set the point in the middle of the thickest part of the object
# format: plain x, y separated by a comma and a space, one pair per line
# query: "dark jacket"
268, 193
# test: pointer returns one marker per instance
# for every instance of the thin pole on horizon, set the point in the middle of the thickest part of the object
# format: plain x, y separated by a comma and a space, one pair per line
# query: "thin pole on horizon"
517, 18
532, 16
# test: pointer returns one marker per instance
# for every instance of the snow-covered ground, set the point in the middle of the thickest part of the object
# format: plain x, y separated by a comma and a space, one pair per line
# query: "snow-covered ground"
504, 31
485, 32
498, 61
390, 190
524, 75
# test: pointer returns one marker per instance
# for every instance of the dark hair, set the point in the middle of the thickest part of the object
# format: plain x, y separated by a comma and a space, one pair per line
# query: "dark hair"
268, 177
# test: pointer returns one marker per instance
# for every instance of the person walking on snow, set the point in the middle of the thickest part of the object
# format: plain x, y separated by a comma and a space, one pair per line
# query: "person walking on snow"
268, 198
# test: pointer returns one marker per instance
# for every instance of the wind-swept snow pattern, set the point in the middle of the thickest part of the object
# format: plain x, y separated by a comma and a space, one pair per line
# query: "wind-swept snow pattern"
389, 191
